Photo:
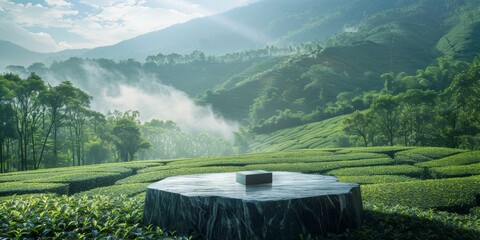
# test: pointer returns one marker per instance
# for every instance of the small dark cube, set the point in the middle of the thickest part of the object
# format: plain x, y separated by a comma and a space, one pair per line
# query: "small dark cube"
254, 177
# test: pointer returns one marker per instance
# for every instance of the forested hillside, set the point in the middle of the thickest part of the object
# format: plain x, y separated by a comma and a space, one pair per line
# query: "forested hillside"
392, 53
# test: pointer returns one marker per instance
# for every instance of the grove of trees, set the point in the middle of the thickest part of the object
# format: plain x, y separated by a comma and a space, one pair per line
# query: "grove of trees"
440, 106
45, 126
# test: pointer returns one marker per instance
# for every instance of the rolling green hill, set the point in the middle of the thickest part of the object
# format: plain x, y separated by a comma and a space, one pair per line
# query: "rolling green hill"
399, 188
399, 39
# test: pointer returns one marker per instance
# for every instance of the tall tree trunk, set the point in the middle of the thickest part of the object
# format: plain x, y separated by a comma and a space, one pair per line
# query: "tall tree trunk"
34, 153
2, 169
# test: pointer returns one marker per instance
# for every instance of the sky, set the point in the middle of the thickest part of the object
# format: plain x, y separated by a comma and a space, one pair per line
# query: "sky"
55, 25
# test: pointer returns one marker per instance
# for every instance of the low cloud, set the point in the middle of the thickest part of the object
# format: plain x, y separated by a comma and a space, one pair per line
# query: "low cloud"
167, 103
112, 90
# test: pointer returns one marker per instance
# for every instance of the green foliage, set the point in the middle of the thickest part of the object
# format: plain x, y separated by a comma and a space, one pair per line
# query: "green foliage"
379, 170
425, 154
457, 159
400, 222
96, 217
456, 171
128, 190
475, 211
314, 135
374, 179
11, 188
384, 185
454, 194
149, 177
127, 136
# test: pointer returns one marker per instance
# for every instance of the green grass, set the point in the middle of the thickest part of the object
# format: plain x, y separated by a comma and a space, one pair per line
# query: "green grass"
457, 159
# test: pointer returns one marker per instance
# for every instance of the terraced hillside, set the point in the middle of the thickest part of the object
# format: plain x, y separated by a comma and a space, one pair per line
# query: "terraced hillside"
401, 187
322, 134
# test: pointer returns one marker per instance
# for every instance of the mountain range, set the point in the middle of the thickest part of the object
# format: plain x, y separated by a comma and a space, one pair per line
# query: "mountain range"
332, 48
268, 22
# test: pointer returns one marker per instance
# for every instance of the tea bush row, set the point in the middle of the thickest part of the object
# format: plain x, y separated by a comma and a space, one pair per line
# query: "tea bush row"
407, 170
457, 159
400, 222
456, 171
69, 217
129, 190
11, 188
374, 179
311, 167
425, 154
452, 194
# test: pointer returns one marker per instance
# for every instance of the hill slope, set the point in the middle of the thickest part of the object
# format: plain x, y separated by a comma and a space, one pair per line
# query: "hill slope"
401, 39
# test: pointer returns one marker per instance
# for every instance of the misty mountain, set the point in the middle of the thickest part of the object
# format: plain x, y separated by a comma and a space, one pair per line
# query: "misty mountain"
12, 54
268, 22
364, 42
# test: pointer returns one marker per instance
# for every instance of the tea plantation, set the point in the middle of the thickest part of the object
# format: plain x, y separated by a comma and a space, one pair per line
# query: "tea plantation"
408, 193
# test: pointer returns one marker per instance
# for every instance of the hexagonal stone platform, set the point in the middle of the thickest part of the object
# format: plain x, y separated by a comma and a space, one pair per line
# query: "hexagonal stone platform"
215, 206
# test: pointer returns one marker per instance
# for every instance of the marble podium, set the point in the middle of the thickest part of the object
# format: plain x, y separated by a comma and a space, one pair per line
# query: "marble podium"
215, 206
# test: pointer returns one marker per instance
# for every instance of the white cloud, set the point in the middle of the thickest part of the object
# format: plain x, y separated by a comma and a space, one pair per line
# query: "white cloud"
29, 15
119, 21
58, 3
110, 22
39, 42
168, 103
154, 100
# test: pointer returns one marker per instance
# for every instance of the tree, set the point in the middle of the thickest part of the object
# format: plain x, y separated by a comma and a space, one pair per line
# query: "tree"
27, 108
78, 114
385, 108
357, 124
417, 111
127, 138
7, 121
55, 100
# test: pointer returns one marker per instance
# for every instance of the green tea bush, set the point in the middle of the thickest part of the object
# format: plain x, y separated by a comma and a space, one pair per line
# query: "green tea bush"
11, 188
376, 179
82, 181
150, 177
28, 195
457, 159
453, 194
318, 167
425, 154
456, 171
399, 222
389, 151
129, 190
407, 170
69, 217
475, 211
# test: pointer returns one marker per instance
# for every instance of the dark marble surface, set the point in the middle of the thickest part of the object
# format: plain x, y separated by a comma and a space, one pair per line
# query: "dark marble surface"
215, 206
